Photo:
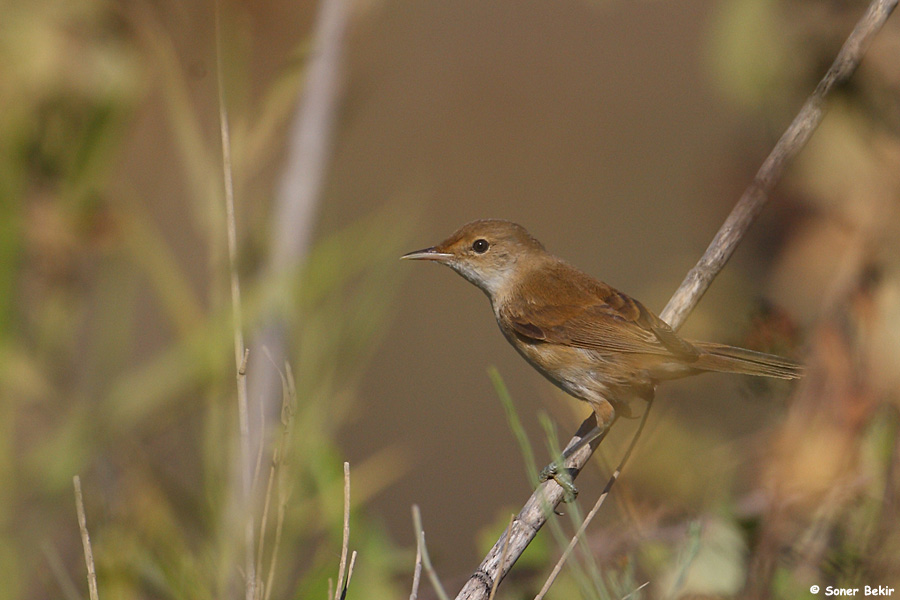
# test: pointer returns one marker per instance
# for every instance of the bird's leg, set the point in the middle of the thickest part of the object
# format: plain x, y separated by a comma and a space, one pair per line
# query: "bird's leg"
556, 470
561, 475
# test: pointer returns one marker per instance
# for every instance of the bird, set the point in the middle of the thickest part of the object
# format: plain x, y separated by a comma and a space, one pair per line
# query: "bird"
594, 342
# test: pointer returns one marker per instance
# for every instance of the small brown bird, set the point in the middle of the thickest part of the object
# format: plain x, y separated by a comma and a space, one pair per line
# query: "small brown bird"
589, 339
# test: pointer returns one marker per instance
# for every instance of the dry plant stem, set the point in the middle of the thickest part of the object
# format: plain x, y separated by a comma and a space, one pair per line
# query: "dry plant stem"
526, 524
792, 141
590, 516
257, 464
417, 571
276, 544
426, 560
281, 449
310, 138
346, 538
264, 519
503, 556
293, 212
240, 351
636, 590
349, 575
85, 540
66, 585
532, 517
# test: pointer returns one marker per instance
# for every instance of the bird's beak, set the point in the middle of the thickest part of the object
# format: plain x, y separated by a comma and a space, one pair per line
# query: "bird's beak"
428, 254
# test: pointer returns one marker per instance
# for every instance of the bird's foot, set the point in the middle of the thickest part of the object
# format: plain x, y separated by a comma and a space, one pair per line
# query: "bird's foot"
563, 478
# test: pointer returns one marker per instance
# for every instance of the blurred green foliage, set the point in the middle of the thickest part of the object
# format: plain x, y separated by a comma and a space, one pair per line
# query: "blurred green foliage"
115, 324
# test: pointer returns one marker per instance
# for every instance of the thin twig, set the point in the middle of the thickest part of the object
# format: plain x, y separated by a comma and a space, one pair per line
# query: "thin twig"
267, 499
635, 590
426, 560
531, 518
345, 542
257, 464
242, 370
275, 546
288, 401
85, 540
417, 571
593, 513
349, 575
240, 351
263, 521
231, 227
66, 585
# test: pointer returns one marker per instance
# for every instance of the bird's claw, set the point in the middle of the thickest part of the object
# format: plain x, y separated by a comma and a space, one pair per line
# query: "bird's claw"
562, 478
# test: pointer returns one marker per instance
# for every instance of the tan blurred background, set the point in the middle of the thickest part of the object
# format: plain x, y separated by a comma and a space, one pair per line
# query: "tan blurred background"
600, 129
567, 122
619, 133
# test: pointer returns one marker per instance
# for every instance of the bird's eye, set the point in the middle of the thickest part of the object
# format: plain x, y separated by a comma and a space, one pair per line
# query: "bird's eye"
480, 246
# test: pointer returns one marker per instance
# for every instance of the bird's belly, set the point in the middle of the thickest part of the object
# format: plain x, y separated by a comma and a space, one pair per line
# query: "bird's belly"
581, 373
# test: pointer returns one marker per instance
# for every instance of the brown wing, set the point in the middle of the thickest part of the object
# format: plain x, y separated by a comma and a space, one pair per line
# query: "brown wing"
594, 316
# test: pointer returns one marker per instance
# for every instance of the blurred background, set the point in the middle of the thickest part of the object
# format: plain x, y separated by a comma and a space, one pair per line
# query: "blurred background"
619, 133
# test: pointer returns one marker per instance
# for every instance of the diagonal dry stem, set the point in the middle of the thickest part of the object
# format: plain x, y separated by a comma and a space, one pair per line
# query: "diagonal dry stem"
532, 516
423, 550
698, 279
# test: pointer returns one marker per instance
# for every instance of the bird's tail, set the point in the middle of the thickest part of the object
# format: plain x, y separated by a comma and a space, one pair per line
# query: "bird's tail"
730, 359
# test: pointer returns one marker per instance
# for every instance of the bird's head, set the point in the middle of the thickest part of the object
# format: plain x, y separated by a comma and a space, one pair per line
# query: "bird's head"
491, 253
